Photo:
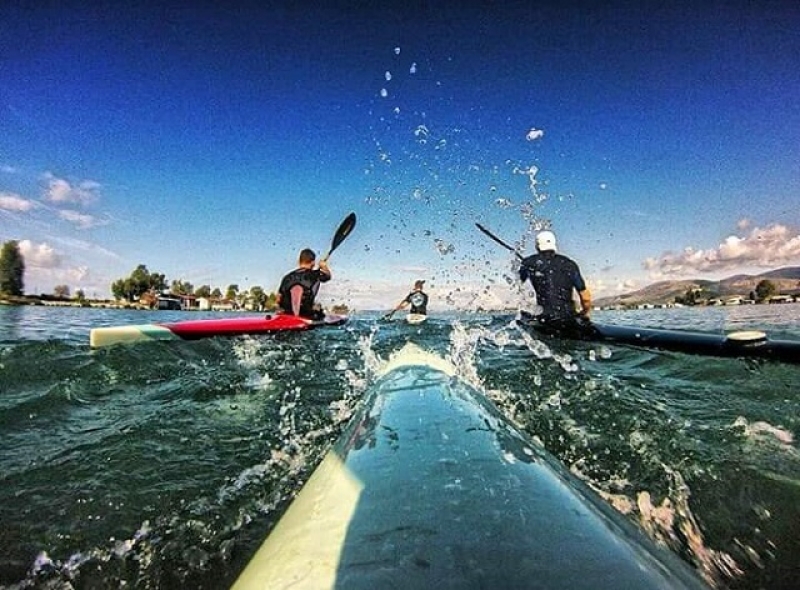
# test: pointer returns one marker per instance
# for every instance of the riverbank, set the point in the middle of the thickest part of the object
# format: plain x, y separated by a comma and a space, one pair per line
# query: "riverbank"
48, 302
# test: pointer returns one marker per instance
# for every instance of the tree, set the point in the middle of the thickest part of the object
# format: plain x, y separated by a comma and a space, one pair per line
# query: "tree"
258, 298
12, 269
140, 281
203, 291
216, 294
272, 302
691, 297
231, 292
61, 291
765, 289
181, 287
119, 289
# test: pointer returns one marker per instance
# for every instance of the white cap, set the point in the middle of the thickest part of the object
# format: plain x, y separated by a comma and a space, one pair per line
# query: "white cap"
545, 240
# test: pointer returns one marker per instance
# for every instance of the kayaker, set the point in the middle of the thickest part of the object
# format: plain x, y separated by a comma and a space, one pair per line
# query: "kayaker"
417, 298
299, 288
554, 277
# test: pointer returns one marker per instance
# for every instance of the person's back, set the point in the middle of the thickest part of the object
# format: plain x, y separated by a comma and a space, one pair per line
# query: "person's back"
298, 289
553, 277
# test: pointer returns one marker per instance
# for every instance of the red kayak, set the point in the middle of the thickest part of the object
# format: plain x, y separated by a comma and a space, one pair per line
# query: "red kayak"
208, 328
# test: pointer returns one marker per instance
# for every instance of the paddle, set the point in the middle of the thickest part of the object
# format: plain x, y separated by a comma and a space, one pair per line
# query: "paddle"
498, 240
344, 230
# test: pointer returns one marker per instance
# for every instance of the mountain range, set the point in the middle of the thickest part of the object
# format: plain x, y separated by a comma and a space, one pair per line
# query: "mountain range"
786, 281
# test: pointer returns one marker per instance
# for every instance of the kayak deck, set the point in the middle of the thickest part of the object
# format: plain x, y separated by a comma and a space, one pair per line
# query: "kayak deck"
751, 344
416, 318
430, 487
207, 328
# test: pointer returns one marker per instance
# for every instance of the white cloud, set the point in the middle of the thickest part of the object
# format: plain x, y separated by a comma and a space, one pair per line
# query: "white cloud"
58, 190
772, 246
41, 256
603, 288
81, 220
45, 267
76, 275
362, 296
534, 134
15, 203
414, 270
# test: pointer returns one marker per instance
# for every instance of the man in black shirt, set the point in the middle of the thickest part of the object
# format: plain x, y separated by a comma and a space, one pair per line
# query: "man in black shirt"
553, 277
418, 300
299, 288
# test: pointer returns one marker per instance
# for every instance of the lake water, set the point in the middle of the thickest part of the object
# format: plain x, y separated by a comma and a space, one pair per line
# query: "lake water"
163, 465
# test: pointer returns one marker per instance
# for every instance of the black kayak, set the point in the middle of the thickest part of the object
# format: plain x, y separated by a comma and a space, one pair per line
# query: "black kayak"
742, 344
432, 487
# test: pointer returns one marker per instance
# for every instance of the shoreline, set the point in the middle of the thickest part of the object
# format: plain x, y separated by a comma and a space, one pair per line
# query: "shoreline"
16, 301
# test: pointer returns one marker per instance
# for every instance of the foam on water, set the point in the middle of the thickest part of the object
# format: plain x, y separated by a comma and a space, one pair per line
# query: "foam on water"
765, 432
187, 452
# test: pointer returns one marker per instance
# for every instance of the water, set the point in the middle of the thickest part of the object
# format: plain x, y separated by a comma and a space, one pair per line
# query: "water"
163, 465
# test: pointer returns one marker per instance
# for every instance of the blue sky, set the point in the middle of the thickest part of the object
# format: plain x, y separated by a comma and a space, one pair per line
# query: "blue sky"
658, 140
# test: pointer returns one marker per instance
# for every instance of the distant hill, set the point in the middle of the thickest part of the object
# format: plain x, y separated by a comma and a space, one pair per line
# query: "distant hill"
786, 280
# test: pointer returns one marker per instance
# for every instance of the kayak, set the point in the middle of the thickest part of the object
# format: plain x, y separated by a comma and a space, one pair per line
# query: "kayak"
416, 318
747, 343
750, 343
208, 328
431, 487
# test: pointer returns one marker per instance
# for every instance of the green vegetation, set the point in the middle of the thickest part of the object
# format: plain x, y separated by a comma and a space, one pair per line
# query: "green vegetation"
258, 297
144, 286
765, 289
692, 297
139, 282
141, 287
697, 296
61, 291
12, 270
181, 287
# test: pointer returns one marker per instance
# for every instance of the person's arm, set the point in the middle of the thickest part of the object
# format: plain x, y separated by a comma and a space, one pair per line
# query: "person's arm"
324, 271
397, 307
586, 302
297, 298
583, 292
523, 272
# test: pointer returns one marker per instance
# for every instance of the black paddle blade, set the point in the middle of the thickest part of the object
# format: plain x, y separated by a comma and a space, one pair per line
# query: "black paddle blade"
498, 240
344, 230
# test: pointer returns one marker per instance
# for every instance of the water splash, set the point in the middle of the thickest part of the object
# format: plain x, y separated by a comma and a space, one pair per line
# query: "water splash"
673, 523
462, 353
764, 432
443, 247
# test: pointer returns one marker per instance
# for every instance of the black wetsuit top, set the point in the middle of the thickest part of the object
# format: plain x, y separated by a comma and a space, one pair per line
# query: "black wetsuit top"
418, 301
310, 280
553, 277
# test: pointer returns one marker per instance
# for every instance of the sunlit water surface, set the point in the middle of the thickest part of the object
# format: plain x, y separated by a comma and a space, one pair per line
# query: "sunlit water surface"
164, 465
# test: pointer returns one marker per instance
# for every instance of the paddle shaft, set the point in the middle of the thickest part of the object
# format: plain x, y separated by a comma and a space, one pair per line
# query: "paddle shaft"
499, 241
